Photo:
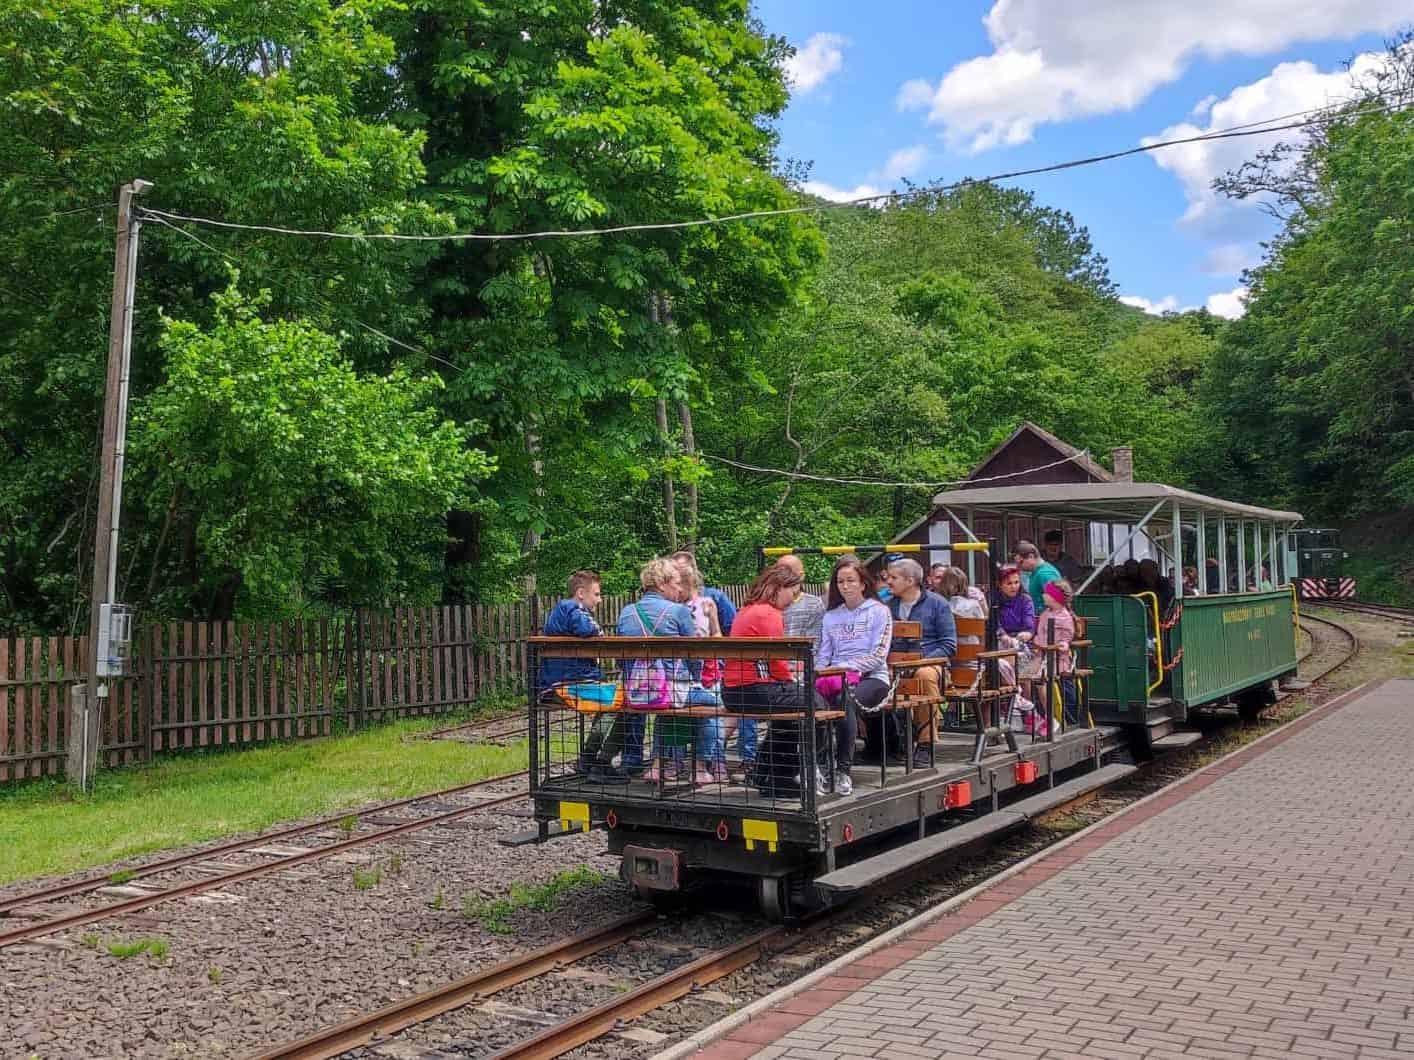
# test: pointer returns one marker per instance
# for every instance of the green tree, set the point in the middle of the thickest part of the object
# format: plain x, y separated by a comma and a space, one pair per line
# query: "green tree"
570, 114
300, 479
1310, 399
234, 110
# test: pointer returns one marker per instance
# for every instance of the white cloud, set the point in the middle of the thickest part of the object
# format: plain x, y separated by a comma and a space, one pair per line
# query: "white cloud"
905, 162
914, 95
1166, 304
834, 194
811, 66
1230, 304
1057, 60
1229, 259
1288, 89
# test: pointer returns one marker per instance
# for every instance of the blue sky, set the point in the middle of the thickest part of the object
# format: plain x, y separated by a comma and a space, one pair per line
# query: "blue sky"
930, 89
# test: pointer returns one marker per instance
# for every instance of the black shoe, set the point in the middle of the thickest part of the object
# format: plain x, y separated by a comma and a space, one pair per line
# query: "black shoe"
921, 758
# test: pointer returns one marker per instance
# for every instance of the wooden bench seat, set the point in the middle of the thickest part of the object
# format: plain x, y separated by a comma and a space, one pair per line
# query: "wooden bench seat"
698, 712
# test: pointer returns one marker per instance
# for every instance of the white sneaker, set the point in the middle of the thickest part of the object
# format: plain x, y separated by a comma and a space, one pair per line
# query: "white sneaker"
822, 785
843, 785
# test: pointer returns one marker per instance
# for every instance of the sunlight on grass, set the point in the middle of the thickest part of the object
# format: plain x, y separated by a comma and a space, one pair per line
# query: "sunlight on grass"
196, 796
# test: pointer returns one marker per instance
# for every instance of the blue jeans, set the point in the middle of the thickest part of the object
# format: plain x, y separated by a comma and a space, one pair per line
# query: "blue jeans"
746, 738
632, 761
711, 741
714, 744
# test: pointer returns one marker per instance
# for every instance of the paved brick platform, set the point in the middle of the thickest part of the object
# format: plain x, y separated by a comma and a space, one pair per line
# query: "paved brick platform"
1263, 908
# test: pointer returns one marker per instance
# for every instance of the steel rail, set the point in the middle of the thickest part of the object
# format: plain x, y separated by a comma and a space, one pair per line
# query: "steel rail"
1354, 644
132, 905
482, 729
1363, 607
360, 1030
598, 1021
92, 883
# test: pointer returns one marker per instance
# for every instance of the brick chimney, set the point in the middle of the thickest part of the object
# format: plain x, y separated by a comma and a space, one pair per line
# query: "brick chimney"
1123, 459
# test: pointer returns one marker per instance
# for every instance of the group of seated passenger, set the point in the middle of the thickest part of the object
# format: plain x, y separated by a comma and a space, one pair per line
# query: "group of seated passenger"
852, 635
1135, 576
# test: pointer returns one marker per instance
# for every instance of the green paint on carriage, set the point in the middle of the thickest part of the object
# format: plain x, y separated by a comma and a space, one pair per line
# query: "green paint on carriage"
1232, 642
1118, 688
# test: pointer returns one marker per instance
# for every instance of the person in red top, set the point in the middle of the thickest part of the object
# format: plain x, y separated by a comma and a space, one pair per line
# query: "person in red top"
762, 686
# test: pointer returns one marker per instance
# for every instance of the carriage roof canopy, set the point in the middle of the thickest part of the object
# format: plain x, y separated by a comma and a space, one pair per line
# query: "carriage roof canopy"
1116, 502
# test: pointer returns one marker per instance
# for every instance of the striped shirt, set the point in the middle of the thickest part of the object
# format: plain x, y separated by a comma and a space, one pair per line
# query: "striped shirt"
803, 618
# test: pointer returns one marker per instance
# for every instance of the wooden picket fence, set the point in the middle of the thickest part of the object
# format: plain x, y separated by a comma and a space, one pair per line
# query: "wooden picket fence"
224, 684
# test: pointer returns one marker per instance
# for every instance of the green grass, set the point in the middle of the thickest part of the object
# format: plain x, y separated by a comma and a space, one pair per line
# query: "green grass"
191, 797
495, 913
367, 879
123, 950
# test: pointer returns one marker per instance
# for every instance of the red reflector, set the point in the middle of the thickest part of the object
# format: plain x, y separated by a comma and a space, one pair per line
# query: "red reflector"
957, 795
611, 819
1025, 772
849, 833
723, 831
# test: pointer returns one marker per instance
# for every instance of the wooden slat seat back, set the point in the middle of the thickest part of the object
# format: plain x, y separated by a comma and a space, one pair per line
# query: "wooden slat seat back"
908, 684
966, 668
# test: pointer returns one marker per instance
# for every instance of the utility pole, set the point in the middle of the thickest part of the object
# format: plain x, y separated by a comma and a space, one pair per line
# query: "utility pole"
89, 707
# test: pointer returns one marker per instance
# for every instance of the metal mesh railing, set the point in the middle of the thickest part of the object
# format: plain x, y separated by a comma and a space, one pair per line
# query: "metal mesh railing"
721, 723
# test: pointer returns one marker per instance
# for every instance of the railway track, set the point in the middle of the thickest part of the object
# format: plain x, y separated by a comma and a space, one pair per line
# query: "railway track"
1362, 607
266, 846
1331, 655
1333, 645
494, 731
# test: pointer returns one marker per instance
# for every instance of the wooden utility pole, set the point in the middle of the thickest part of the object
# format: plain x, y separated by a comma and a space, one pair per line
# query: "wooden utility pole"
110, 489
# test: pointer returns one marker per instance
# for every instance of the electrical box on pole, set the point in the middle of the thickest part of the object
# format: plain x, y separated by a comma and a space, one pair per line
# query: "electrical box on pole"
115, 638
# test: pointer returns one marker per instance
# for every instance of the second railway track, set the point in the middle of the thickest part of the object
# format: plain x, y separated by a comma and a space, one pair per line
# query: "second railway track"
267, 846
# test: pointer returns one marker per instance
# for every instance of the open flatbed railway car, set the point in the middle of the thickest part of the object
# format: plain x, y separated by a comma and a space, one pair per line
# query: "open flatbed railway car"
800, 848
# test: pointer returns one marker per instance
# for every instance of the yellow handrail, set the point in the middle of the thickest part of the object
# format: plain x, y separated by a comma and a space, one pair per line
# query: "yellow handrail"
1158, 639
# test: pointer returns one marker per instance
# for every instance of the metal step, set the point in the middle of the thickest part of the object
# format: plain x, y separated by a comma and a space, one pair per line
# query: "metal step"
1177, 740
870, 871
1160, 729
1048, 800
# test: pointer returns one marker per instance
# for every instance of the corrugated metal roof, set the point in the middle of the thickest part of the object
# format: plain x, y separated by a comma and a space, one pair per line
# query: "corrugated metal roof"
1100, 501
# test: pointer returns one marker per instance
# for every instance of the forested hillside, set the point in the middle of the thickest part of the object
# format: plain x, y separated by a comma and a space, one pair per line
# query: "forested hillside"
319, 422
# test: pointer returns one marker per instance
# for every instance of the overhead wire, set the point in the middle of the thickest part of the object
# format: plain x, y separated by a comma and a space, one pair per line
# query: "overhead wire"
1255, 128
231, 259
1084, 454
77, 209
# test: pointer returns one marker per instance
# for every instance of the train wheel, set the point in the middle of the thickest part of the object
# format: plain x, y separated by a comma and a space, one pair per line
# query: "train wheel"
773, 897
1252, 701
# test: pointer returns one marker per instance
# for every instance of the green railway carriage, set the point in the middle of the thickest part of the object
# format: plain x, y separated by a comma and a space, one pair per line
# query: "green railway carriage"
1222, 640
